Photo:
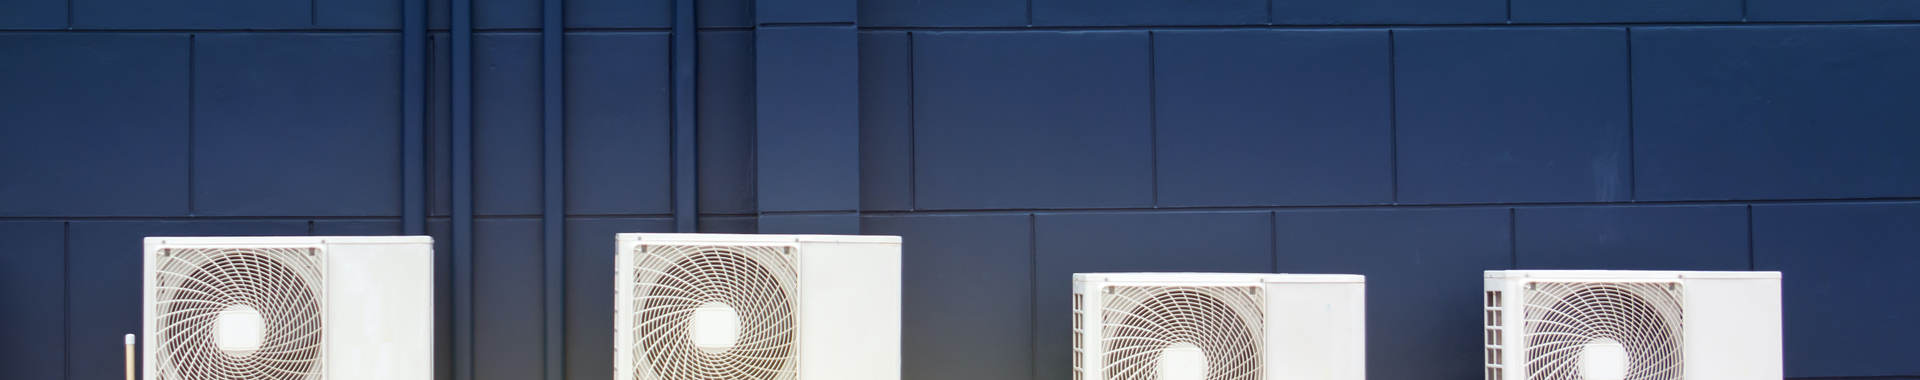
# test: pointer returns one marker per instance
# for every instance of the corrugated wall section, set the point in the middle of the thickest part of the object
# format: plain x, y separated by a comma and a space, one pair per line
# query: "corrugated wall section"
1012, 142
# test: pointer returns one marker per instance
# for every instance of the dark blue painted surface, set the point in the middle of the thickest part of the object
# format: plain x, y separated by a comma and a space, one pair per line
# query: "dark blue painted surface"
1573, 11
357, 14
1832, 10
506, 305
1638, 238
807, 95
506, 124
1031, 120
191, 14
618, 13
589, 291
1148, 12
33, 14
1772, 113
726, 130
976, 331
1422, 268
833, 224
1845, 268
103, 298
886, 121
350, 227
943, 12
54, 84
1070, 243
1250, 118
617, 124
723, 13
1511, 115
296, 125
804, 11
1389, 11
33, 337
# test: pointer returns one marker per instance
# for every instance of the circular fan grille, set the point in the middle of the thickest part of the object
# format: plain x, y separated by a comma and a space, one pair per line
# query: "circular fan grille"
1567, 323
673, 282
194, 287
1141, 323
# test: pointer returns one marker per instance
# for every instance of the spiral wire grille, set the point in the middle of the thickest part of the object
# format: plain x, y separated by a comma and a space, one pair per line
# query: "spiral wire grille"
1563, 318
193, 286
1141, 322
672, 281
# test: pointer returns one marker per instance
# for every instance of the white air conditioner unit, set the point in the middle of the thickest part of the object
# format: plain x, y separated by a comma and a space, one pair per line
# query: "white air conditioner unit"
756, 307
1632, 325
288, 308
1218, 326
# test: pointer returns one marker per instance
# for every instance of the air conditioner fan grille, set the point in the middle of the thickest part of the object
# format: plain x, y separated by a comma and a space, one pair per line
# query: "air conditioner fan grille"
1140, 323
672, 281
1566, 319
282, 286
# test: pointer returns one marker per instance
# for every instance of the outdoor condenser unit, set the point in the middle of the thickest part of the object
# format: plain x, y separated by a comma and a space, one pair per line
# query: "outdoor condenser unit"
1632, 325
756, 307
1218, 326
288, 308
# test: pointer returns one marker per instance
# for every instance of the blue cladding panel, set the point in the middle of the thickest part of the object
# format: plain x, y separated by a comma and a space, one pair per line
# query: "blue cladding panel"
1512, 115
506, 124
439, 132
293, 124
943, 12
356, 227
104, 294
192, 14
886, 121
618, 13
133, 158
966, 290
1031, 120
357, 14
1388, 11
1832, 10
442, 231
804, 11
808, 93
1561, 11
507, 299
617, 124
1422, 269
1245, 119
723, 13
831, 224
1781, 112
33, 316
33, 14
489, 14
1845, 267
1130, 242
729, 225
589, 292
724, 106
1149, 12
1633, 238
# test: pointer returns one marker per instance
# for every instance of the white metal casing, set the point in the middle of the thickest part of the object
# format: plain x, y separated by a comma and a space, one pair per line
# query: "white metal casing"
378, 303
1315, 324
1732, 325
847, 303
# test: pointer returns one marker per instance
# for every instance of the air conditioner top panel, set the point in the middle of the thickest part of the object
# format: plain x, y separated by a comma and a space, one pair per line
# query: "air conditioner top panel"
673, 238
1626, 274
287, 240
1219, 277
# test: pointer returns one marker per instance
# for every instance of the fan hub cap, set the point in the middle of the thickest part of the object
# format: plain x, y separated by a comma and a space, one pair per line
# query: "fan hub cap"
1182, 361
238, 330
1603, 359
715, 327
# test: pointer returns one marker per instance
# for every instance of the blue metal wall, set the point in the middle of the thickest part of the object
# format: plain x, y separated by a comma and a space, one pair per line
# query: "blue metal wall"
1012, 142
